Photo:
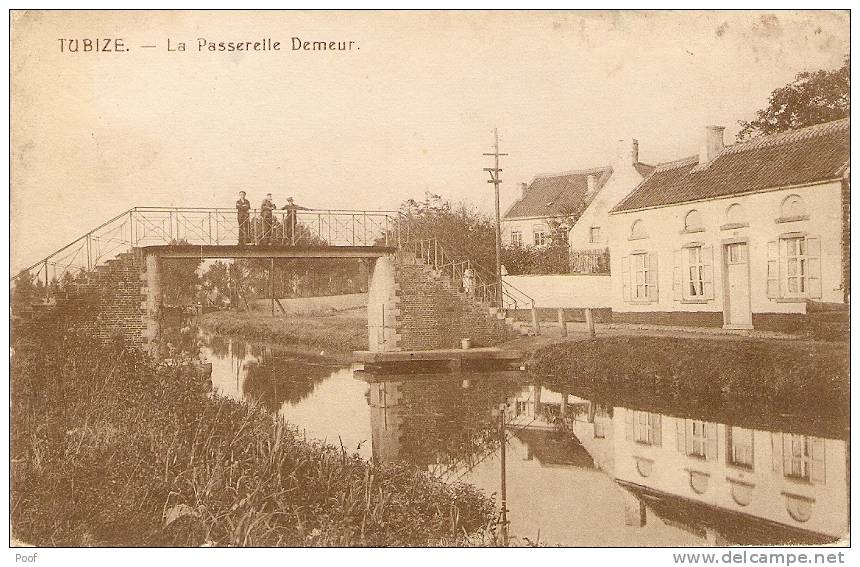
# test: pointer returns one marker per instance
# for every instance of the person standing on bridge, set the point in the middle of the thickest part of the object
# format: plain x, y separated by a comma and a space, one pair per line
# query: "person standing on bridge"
243, 216
266, 208
291, 220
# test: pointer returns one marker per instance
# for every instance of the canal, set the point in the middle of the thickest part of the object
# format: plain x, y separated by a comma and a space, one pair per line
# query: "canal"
579, 472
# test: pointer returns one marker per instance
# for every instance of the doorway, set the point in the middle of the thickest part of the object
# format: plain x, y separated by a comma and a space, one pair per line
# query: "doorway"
737, 313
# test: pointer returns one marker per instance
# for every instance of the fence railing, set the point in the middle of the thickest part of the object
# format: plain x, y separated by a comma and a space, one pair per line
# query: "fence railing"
590, 261
478, 283
149, 226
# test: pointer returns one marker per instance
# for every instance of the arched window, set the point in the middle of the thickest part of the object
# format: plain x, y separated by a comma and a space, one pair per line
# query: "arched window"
793, 207
735, 214
698, 482
693, 221
742, 493
798, 507
637, 229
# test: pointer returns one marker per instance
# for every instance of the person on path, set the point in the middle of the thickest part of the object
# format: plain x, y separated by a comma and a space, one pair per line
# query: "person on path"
266, 208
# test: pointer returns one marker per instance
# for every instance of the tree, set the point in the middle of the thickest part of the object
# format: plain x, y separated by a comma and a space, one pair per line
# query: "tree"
812, 98
459, 227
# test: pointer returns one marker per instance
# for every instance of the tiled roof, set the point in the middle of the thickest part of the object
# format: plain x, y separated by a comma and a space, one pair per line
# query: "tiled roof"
808, 155
560, 193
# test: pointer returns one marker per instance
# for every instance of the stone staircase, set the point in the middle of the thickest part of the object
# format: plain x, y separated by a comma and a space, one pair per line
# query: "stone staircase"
482, 308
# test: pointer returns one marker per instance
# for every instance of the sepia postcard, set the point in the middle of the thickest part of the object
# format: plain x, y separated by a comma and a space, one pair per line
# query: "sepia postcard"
440, 278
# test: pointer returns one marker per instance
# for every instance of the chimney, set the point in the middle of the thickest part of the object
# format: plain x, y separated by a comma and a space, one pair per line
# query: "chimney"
592, 181
523, 188
627, 152
712, 144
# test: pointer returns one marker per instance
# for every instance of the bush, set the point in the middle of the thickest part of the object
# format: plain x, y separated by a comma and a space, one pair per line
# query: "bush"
552, 259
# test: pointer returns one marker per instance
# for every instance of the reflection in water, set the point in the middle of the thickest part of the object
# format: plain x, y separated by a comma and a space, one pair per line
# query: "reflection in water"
677, 480
580, 471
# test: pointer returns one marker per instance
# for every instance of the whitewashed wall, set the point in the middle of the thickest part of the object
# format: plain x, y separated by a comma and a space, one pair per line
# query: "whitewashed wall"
566, 290
664, 226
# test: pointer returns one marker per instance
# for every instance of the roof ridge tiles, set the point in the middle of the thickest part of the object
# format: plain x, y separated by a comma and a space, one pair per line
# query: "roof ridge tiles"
787, 137
597, 169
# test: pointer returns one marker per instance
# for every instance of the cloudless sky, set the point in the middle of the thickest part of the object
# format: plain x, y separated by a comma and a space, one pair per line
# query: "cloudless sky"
410, 111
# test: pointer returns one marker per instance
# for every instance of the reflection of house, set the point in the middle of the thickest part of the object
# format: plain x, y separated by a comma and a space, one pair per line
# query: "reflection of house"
738, 236
793, 480
537, 407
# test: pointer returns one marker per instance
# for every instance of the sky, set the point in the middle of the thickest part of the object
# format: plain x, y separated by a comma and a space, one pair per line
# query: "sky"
410, 109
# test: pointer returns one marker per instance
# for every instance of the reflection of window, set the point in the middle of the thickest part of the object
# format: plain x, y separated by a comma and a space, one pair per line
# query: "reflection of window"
793, 207
644, 466
696, 438
516, 238
735, 214
637, 230
643, 427
594, 234
798, 507
803, 457
698, 482
740, 447
693, 221
742, 493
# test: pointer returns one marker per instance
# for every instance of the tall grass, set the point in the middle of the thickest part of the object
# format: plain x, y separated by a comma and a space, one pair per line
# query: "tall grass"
110, 448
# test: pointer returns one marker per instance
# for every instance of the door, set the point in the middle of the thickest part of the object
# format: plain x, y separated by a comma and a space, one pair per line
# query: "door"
737, 313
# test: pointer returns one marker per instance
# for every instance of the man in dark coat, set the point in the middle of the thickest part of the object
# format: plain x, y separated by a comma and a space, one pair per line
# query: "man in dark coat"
291, 220
243, 216
266, 208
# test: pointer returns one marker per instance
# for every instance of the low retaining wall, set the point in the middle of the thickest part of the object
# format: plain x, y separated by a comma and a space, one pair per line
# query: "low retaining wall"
565, 290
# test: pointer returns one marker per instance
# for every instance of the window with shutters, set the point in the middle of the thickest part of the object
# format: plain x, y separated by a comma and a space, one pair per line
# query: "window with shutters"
794, 267
516, 238
739, 444
693, 273
696, 438
639, 277
643, 427
541, 237
803, 457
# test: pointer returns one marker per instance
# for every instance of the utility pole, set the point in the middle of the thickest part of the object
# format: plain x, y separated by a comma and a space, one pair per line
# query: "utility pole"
495, 180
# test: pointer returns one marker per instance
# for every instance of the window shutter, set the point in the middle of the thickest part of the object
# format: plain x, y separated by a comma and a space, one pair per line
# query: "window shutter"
658, 429
680, 435
653, 292
772, 270
677, 280
625, 277
786, 452
628, 424
710, 441
818, 468
688, 437
776, 451
813, 267
708, 271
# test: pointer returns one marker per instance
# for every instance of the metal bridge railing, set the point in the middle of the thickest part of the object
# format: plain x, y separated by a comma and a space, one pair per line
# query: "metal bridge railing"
150, 226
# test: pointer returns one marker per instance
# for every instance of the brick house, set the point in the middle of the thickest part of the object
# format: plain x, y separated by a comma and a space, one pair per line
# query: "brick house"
737, 236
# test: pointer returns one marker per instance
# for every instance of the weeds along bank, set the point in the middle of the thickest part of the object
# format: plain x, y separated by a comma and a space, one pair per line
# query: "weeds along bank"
743, 378
345, 331
111, 448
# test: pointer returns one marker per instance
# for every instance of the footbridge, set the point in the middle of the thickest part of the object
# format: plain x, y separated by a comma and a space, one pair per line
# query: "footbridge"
418, 299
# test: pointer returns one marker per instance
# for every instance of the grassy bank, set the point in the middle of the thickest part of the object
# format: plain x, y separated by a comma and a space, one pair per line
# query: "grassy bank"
110, 448
344, 331
705, 376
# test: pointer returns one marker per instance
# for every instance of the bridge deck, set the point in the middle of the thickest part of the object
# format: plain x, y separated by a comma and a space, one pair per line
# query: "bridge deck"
273, 251
479, 353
